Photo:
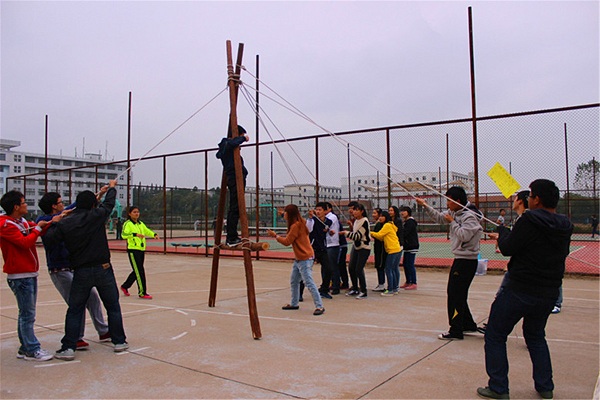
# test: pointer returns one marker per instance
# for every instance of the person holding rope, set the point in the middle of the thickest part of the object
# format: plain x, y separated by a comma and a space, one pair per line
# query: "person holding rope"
225, 154
61, 273
297, 237
537, 245
361, 250
84, 235
465, 234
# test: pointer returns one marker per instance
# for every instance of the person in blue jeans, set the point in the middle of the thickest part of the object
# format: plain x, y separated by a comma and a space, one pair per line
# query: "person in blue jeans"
21, 264
297, 236
538, 246
388, 235
84, 235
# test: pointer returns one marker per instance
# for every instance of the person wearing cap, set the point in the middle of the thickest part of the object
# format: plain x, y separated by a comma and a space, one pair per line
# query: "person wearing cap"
225, 154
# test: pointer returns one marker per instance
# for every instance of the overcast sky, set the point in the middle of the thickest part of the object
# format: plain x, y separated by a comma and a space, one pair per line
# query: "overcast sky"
347, 65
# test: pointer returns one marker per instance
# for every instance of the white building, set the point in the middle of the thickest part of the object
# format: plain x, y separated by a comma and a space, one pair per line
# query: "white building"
66, 175
305, 194
405, 186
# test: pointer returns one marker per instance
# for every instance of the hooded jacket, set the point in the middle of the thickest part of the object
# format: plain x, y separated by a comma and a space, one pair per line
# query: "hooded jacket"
538, 246
225, 154
84, 233
57, 255
17, 240
411, 237
465, 230
389, 237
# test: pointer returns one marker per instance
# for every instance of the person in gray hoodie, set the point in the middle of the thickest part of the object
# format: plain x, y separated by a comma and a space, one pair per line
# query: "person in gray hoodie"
465, 234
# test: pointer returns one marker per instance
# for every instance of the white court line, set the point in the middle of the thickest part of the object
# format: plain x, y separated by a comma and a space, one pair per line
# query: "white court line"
193, 322
179, 336
58, 363
181, 312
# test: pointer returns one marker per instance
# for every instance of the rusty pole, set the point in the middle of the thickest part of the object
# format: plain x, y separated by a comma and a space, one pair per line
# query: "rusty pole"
473, 111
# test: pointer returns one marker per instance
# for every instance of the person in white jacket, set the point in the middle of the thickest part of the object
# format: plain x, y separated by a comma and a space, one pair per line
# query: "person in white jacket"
361, 243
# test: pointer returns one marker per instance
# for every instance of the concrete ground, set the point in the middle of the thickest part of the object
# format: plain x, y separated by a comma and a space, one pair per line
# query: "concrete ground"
376, 348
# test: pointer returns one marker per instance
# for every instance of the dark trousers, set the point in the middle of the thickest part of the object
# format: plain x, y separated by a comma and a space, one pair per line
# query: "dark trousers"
334, 254
233, 214
136, 259
342, 266
507, 309
84, 279
323, 258
356, 267
459, 314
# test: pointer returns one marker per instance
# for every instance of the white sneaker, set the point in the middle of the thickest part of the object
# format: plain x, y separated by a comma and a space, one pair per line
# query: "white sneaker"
65, 354
40, 355
379, 288
121, 347
556, 310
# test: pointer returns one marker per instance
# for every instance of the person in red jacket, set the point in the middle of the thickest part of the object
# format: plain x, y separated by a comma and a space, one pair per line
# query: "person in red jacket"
21, 264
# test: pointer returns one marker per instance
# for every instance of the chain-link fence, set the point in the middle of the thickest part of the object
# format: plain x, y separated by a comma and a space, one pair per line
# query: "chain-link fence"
178, 193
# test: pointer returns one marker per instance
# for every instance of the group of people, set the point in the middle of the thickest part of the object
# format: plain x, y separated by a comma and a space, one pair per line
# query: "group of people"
322, 238
79, 264
78, 260
538, 244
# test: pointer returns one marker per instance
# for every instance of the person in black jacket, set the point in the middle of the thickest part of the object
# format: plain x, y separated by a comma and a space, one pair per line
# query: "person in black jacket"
84, 235
538, 246
411, 247
225, 154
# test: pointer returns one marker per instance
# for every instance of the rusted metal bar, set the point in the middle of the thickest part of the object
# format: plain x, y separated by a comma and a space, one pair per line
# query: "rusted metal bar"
473, 110
164, 204
46, 157
129, 156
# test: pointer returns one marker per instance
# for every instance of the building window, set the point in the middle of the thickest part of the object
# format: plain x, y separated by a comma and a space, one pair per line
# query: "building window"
29, 159
54, 161
17, 169
2, 157
17, 157
67, 163
433, 178
410, 179
424, 178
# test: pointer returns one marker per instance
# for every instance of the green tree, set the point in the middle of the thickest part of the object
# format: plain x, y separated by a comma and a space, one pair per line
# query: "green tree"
584, 178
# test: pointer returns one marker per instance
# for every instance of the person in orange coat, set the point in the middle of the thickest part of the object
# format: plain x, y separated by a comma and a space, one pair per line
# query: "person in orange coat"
297, 237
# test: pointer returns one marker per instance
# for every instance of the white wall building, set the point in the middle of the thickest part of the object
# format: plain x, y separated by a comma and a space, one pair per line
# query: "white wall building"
405, 186
16, 163
304, 194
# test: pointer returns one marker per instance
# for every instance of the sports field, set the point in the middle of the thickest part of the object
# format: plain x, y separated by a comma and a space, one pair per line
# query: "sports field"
434, 251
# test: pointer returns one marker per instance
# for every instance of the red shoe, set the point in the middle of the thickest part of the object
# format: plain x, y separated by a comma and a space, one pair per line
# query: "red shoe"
82, 344
412, 286
104, 337
125, 291
146, 296
405, 286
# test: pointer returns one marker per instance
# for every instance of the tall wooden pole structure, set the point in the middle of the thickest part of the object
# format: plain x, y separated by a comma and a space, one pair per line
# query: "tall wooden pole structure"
233, 83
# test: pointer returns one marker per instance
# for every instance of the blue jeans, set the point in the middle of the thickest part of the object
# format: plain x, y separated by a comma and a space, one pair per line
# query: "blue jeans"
392, 271
84, 279
62, 281
25, 290
410, 272
302, 272
508, 308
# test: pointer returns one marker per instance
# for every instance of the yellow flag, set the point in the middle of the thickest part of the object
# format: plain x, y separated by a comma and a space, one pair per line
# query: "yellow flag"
505, 182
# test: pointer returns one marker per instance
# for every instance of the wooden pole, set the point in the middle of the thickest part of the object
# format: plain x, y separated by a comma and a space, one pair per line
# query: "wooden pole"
233, 84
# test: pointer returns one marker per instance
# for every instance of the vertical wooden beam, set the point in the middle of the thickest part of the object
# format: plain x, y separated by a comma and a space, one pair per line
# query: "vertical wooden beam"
233, 84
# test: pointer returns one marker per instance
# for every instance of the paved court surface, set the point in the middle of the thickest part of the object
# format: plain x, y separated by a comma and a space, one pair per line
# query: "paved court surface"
377, 348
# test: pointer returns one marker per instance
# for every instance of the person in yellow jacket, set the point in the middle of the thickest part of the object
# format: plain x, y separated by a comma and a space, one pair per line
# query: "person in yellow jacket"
392, 247
135, 232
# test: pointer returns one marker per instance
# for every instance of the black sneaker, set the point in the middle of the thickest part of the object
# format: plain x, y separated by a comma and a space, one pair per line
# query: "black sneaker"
233, 242
546, 394
326, 295
488, 393
450, 336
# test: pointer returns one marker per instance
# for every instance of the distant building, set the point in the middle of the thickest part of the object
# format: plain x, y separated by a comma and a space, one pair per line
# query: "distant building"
405, 186
305, 194
66, 175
